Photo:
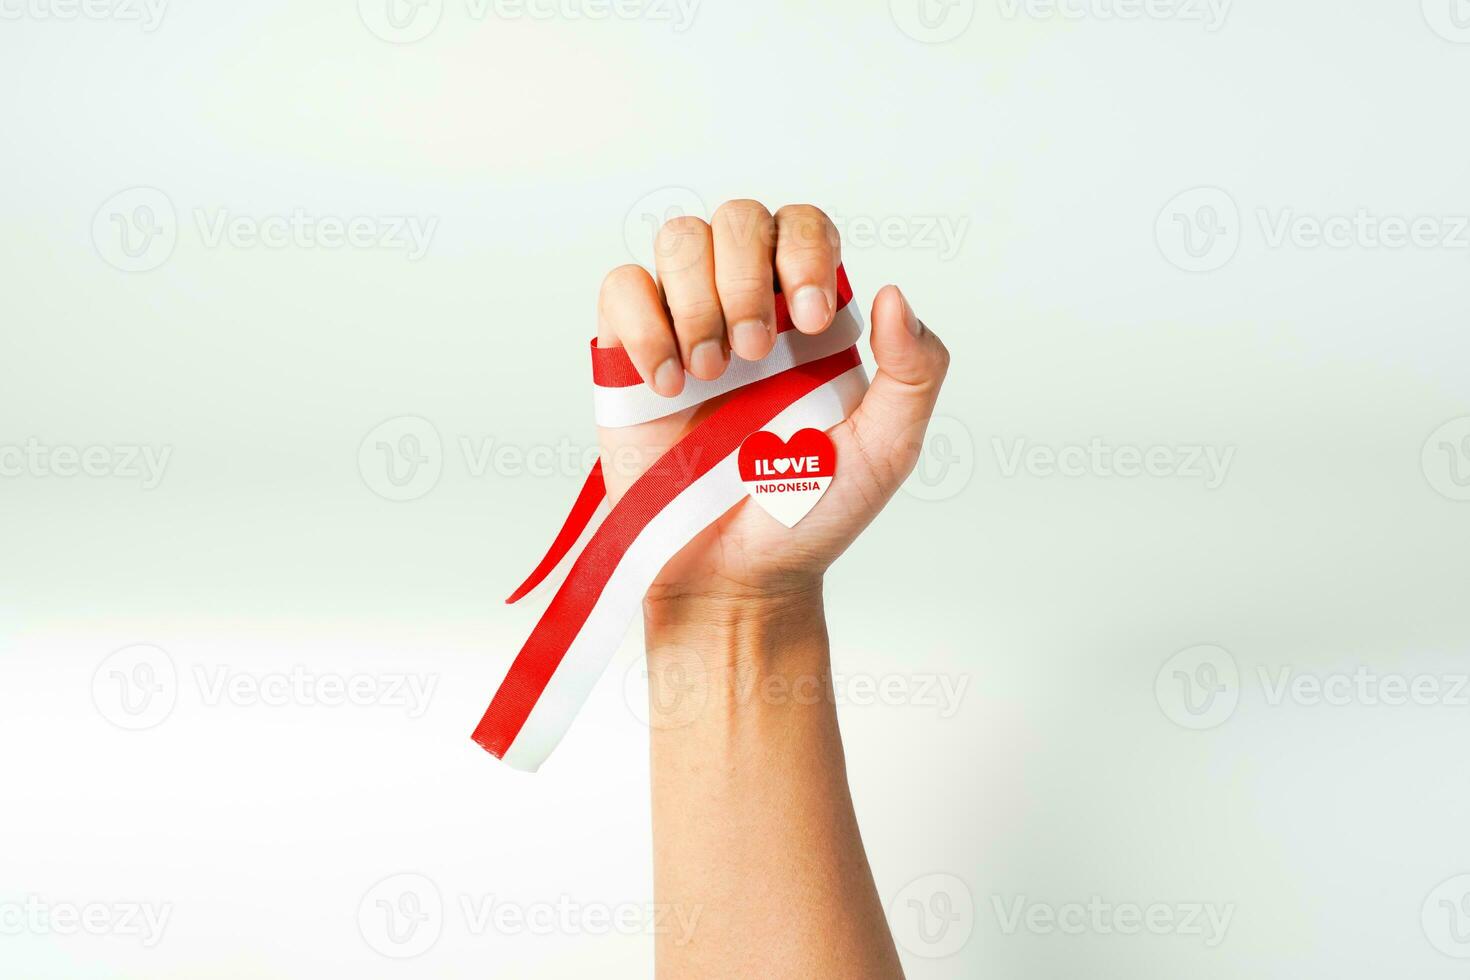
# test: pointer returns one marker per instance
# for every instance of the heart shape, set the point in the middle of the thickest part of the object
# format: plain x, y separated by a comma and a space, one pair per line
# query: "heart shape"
787, 477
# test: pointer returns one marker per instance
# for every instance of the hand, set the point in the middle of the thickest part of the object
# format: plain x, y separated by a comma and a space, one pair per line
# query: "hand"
715, 295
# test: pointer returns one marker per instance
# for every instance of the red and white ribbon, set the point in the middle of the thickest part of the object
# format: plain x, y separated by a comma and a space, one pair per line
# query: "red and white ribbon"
616, 552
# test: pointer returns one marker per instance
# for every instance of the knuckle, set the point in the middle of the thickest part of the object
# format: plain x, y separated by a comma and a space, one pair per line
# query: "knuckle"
941, 356
744, 284
938, 353
801, 212
805, 214
745, 222
681, 230
741, 209
805, 228
621, 280
696, 311
808, 250
650, 340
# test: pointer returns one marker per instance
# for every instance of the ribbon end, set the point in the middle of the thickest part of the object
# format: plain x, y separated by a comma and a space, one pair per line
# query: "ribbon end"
499, 748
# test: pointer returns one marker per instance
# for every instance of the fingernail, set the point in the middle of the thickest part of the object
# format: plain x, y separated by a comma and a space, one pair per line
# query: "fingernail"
707, 360
749, 335
668, 379
909, 319
810, 309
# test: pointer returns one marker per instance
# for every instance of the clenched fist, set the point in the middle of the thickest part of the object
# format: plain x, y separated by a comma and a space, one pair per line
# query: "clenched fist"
714, 299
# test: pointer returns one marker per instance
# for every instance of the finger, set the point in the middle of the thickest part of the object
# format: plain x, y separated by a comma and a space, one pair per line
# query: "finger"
912, 363
808, 251
631, 315
745, 240
686, 271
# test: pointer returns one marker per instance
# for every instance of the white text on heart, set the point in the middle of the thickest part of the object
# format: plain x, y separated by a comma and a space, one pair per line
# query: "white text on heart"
778, 467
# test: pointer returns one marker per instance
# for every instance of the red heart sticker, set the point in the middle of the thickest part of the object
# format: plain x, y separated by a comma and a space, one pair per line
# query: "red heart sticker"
787, 478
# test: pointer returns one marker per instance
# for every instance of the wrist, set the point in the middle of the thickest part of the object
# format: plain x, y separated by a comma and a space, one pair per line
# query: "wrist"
735, 624
712, 659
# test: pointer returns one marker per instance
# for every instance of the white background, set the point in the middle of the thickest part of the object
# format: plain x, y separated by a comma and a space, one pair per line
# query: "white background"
1113, 187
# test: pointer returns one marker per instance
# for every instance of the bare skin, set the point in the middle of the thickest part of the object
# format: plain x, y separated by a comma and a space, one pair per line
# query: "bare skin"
754, 829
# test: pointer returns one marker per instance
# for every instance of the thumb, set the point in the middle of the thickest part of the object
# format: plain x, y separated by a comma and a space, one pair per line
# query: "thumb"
894, 413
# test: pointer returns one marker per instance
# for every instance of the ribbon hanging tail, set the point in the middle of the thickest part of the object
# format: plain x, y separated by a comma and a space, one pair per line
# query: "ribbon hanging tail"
584, 510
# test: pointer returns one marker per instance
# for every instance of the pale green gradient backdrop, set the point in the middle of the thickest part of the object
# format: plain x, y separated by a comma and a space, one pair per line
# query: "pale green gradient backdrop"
1054, 144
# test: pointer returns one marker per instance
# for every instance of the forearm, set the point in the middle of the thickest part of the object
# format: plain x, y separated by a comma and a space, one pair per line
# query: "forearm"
753, 823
